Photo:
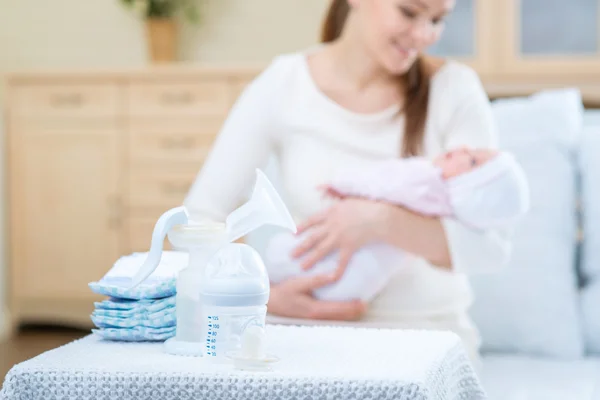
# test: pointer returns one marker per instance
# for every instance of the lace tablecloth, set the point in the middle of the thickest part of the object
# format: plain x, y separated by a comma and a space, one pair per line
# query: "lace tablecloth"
315, 363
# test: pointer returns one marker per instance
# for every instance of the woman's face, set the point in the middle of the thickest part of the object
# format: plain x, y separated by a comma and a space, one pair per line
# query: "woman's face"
397, 31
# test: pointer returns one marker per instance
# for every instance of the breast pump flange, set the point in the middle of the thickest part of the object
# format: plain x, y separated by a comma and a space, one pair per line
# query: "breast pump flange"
202, 239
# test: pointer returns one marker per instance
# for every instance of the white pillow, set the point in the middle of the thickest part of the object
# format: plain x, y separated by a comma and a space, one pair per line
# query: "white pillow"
549, 116
589, 164
532, 306
591, 118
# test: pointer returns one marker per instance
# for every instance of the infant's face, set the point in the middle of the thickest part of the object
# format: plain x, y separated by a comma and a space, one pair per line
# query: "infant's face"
460, 161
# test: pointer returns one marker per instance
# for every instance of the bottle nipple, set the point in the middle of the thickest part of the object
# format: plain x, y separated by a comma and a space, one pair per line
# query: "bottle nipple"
252, 356
253, 343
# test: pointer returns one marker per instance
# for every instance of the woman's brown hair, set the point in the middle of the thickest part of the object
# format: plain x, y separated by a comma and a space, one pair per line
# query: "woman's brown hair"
414, 84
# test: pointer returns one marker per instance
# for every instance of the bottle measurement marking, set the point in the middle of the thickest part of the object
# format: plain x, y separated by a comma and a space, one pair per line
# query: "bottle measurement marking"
212, 333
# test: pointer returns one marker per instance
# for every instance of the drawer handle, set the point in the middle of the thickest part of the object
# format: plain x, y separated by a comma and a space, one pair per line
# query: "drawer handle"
67, 100
172, 188
181, 143
177, 98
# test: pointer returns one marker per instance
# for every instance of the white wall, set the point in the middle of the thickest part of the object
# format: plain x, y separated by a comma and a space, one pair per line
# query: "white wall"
100, 33
91, 33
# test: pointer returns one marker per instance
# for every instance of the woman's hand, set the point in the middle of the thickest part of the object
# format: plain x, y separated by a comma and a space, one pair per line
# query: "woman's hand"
293, 298
346, 226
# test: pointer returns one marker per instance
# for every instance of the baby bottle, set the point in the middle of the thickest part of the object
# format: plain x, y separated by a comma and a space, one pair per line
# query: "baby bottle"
234, 294
232, 287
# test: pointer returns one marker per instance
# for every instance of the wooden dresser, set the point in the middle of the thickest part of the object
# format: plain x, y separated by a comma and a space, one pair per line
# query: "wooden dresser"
94, 158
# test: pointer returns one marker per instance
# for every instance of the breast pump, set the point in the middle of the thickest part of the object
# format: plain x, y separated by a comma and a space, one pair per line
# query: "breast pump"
225, 287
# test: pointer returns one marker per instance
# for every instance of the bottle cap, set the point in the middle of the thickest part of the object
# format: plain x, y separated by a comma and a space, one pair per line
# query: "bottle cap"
235, 277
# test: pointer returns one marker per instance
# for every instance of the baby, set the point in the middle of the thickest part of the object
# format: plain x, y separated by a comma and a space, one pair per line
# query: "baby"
480, 188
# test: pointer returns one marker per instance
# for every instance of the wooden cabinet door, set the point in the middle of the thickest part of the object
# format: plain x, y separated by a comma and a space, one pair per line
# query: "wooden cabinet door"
65, 211
468, 35
550, 37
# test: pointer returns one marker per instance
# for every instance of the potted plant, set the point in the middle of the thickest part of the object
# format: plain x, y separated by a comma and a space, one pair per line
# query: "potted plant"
160, 17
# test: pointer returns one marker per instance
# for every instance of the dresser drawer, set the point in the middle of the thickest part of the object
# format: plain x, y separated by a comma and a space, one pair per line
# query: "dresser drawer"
64, 100
238, 86
210, 97
172, 143
154, 189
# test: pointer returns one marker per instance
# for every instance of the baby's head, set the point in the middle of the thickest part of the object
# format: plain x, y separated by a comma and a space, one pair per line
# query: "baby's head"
462, 160
488, 188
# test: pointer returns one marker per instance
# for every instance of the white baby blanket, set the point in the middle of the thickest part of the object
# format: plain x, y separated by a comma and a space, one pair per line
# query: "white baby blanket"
414, 183
367, 272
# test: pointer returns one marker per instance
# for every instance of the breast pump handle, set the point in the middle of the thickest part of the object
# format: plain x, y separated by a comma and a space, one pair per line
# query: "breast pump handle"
265, 207
175, 216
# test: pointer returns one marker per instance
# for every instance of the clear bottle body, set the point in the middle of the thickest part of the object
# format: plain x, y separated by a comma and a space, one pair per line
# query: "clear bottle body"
223, 327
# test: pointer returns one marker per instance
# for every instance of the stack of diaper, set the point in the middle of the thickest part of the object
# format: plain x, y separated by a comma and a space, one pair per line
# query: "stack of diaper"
143, 313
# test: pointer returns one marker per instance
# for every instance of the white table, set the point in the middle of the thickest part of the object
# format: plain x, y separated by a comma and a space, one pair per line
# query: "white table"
316, 363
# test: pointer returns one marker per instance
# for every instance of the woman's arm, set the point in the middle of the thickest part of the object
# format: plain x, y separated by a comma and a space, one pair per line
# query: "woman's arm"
353, 223
244, 143
444, 242
421, 235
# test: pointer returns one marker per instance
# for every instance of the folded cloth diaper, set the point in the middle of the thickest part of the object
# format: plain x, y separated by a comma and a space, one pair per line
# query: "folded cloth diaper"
114, 304
146, 312
138, 314
137, 334
161, 284
143, 291
135, 320
366, 275
160, 319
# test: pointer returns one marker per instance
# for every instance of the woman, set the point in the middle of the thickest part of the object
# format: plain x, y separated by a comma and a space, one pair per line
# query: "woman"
367, 92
